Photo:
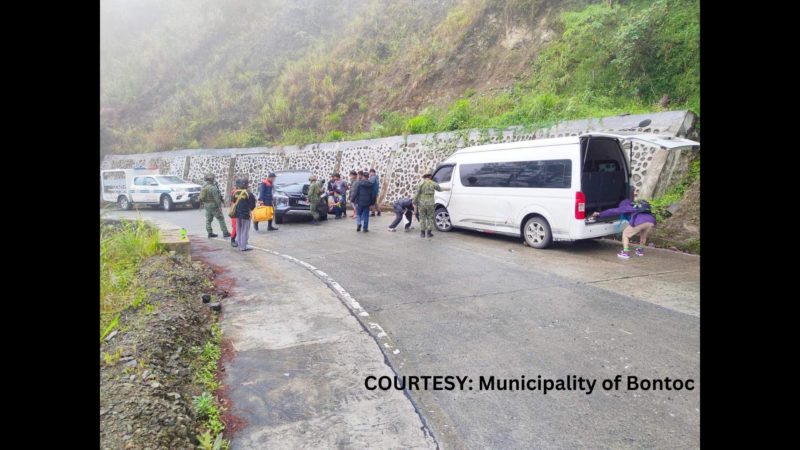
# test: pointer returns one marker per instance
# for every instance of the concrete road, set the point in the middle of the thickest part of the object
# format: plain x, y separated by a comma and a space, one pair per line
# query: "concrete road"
468, 304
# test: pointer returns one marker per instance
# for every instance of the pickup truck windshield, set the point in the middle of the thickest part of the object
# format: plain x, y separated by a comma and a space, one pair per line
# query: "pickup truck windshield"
170, 180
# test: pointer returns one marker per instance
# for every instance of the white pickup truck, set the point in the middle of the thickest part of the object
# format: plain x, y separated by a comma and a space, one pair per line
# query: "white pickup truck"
127, 187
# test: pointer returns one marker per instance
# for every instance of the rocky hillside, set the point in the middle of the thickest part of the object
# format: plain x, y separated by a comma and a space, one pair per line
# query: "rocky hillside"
237, 73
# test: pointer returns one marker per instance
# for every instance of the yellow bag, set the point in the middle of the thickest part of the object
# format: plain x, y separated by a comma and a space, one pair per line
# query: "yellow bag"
262, 213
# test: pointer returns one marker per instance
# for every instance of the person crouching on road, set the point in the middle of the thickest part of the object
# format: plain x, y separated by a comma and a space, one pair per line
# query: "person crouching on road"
244, 202
641, 221
213, 203
363, 197
402, 206
265, 198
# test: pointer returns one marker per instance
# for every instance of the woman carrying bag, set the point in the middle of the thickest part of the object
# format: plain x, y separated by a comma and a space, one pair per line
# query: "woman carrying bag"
242, 202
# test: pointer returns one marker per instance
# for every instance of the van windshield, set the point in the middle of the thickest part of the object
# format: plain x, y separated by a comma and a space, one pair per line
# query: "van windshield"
170, 180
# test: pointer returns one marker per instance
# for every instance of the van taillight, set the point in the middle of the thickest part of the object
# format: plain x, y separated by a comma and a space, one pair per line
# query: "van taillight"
580, 205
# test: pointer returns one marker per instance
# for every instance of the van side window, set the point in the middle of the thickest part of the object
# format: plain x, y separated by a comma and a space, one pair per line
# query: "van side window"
443, 175
519, 174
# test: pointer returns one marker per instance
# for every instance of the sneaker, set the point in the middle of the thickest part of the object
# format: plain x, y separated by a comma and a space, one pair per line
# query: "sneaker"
255, 225
639, 251
391, 229
422, 234
372, 215
211, 235
226, 235
430, 235
366, 230
358, 228
623, 254
379, 213
234, 244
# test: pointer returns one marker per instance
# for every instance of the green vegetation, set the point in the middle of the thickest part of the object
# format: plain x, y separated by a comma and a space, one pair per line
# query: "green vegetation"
206, 406
608, 61
122, 250
675, 194
379, 68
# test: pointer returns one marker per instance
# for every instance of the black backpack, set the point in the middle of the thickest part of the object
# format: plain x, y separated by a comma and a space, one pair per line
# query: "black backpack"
642, 206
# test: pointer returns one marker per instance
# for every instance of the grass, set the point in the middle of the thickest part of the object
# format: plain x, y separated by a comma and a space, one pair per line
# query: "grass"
122, 250
675, 194
205, 405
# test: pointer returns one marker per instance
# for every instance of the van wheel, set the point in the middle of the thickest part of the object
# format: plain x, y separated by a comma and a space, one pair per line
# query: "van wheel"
123, 203
166, 203
442, 219
537, 233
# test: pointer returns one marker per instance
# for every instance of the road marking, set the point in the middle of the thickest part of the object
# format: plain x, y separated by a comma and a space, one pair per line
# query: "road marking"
357, 311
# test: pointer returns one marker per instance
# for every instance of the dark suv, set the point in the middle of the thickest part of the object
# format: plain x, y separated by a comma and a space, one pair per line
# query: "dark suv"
291, 195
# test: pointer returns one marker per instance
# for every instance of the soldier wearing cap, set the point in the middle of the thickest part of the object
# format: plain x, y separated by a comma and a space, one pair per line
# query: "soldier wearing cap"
212, 202
426, 204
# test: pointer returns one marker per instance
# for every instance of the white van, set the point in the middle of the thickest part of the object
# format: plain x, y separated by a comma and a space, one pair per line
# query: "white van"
543, 190
127, 187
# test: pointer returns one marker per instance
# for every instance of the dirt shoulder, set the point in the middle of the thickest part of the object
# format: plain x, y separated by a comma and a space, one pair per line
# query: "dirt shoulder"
148, 365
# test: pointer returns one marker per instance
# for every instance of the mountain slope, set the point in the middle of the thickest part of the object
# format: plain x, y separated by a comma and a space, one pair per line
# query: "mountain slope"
208, 73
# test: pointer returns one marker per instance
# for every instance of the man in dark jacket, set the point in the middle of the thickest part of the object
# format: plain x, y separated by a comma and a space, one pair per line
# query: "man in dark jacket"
641, 221
353, 185
402, 206
363, 197
245, 202
265, 198
376, 184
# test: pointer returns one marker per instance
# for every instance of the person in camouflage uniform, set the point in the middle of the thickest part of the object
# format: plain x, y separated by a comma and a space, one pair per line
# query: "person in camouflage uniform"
314, 192
426, 204
212, 202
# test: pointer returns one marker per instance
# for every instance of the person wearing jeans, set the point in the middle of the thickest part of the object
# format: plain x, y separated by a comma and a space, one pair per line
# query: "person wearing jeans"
402, 206
363, 198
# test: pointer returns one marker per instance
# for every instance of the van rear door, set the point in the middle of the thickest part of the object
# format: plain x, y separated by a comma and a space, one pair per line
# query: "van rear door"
663, 141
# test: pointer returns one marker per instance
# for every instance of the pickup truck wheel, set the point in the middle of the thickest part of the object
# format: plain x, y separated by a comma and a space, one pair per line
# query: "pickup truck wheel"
124, 203
166, 203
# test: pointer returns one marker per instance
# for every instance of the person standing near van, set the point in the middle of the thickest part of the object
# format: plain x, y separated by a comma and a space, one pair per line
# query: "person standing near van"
314, 192
641, 221
265, 198
426, 204
401, 207
212, 203
243, 201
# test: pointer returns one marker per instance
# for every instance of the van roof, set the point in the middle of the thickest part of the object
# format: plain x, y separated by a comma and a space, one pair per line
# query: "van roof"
521, 144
